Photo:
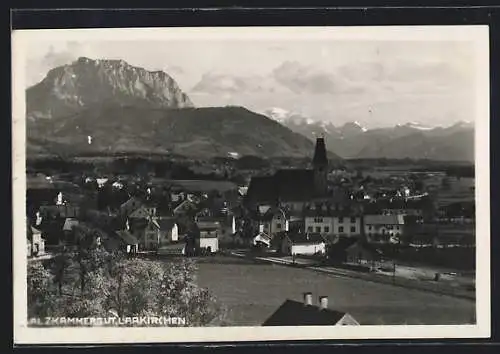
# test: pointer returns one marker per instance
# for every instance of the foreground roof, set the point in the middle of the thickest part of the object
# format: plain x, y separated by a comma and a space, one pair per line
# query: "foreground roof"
294, 313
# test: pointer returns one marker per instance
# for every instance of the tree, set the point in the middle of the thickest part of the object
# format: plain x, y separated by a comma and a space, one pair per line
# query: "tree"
59, 268
93, 281
41, 294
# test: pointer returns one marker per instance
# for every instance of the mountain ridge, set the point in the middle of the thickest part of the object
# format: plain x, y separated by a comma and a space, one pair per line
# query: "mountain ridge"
352, 140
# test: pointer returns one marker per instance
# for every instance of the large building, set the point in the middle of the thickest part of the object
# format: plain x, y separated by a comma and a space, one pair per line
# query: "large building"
292, 188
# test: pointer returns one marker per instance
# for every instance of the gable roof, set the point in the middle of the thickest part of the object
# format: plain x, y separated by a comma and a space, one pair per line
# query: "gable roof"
305, 238
261, 189
295, 184
262, 237
131, 205
165, 223
185, 205
208, 225
127, 237
69, 223
343, 243
384, 220
140, 212
294, 313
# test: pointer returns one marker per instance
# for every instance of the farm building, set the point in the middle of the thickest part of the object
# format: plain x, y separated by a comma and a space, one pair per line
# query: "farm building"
303, 244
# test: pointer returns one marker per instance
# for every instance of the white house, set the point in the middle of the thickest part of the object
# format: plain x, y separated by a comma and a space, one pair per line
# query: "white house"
36, 244
272, 220
319, 224
333, 224
349, 225
383, 228
303, 244
209, 232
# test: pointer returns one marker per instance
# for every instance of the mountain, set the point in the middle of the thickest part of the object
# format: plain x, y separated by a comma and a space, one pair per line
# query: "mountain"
86, 83
109, 107
410, 140
193, 132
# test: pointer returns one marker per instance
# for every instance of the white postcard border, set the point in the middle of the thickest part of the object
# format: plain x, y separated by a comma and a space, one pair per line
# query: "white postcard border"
25, 335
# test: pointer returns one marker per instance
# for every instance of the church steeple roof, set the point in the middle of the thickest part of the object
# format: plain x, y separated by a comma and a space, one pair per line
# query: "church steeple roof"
320, 158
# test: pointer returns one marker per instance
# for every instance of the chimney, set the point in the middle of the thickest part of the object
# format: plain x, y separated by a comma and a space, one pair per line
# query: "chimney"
323, 302
307, 298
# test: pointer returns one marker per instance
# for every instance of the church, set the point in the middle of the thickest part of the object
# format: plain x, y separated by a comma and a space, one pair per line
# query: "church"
292, 188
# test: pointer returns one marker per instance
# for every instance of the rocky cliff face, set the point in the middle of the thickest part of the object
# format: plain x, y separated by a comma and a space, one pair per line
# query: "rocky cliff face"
86, 83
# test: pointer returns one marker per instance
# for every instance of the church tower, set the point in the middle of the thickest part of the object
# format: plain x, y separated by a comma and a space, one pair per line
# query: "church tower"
320, 167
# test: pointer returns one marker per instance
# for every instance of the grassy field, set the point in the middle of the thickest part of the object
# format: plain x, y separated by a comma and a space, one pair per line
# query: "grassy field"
252, 292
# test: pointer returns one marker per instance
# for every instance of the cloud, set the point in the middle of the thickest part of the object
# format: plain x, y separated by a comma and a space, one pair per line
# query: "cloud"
404, 75
43, 58
300, 78
174, 69
231, 84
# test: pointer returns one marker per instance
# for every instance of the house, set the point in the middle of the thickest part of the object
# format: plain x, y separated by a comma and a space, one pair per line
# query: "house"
59, 211
153, 232
167, 230
36, 243
69, 225
227, 223
185, 207
303, 244
404, 206
130, 206
271, 220
383, 228
329, 219
291, 188
208, 236
295, 313
127, 241
262, 239
352, 250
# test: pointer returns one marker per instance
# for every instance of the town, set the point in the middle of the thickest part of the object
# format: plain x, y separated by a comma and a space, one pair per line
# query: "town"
393, 224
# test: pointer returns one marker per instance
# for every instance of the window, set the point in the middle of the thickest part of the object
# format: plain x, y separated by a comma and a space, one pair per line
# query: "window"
318, 220
397, 227
369, 227
353, 220
278, 226
318, 229
353, 228
309, 229
341, 229
341, 220
327, 229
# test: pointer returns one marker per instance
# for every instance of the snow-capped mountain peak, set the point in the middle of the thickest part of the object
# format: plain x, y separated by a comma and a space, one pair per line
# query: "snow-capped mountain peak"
415, 125
278, 114
360, 126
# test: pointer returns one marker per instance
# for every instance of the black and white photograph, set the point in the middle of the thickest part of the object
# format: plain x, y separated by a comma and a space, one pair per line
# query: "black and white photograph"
206, 184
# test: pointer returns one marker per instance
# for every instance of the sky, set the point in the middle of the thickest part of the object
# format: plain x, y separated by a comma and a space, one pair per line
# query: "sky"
376, 83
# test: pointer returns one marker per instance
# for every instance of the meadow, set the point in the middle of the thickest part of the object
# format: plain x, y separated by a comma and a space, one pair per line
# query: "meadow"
253, 291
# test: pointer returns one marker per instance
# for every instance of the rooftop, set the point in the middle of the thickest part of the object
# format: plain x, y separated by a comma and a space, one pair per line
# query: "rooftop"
294, 313
384, 220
